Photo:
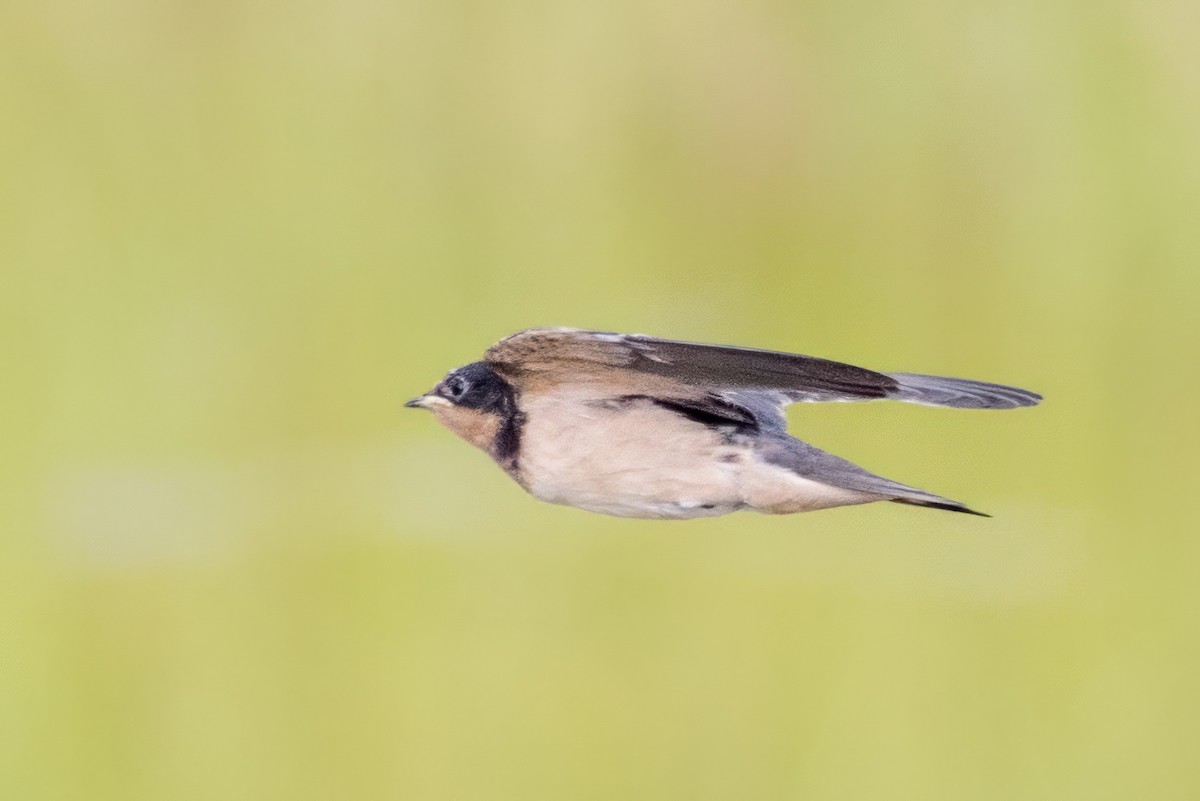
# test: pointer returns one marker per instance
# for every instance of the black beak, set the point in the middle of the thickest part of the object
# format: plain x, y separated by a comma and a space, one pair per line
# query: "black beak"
415, 403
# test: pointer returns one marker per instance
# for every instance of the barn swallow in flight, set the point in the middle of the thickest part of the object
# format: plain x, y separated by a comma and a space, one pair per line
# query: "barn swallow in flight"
636, 426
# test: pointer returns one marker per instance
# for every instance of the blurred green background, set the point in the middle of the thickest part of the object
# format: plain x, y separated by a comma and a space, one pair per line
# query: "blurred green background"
236, 236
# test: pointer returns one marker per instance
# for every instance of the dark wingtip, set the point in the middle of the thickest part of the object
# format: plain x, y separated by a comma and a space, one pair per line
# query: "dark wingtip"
961, 393
947, 506
1022, 398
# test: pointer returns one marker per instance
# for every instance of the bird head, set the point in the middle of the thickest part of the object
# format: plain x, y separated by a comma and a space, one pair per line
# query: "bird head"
473, 402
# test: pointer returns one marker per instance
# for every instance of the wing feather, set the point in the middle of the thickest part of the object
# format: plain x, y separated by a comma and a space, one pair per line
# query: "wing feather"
625, 364
565, 354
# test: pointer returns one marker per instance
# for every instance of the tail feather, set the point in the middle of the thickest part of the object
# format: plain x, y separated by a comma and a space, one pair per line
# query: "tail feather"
960, 393
948, 505
808, 461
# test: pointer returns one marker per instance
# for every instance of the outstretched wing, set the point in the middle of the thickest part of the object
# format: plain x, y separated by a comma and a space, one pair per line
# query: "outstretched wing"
615, 364
558, 355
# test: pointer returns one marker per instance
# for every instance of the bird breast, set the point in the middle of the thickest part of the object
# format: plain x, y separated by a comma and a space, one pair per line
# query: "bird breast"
631, 458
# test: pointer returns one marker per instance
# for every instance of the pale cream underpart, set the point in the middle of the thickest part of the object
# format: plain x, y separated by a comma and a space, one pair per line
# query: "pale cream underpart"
641, 460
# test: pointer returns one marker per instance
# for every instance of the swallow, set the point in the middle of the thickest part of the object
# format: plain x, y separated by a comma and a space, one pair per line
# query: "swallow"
636, 426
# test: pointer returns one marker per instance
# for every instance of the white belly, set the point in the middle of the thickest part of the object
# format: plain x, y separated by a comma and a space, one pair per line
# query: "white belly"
641, 460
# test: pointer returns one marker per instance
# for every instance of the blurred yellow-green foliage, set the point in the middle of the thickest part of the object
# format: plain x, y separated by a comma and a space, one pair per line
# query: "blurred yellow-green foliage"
236, 236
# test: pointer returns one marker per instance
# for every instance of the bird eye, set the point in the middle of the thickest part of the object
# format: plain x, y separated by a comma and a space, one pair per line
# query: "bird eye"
456, 387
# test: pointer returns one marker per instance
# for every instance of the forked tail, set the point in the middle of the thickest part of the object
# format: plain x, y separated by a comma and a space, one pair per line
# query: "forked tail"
943, 503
